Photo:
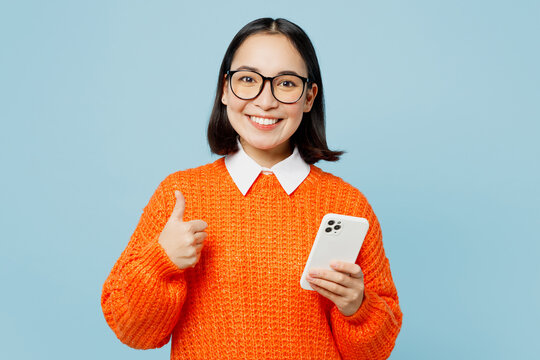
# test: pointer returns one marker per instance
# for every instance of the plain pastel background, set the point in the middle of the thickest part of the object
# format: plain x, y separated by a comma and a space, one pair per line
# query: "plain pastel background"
435, 102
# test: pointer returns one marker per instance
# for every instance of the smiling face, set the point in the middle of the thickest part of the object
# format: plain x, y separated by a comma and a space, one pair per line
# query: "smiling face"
264, 124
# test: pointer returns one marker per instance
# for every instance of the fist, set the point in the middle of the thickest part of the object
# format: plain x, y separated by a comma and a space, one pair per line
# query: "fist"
182, 241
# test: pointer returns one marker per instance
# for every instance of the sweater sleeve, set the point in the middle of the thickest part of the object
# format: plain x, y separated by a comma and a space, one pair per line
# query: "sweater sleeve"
371, 332
144, 293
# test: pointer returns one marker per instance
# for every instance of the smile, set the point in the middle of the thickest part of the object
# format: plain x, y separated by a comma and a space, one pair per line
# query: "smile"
263, 121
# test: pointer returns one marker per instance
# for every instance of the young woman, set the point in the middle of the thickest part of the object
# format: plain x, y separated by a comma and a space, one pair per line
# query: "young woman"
216, 259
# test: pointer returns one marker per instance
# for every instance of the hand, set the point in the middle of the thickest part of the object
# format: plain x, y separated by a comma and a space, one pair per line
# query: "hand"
344, 286
182, 241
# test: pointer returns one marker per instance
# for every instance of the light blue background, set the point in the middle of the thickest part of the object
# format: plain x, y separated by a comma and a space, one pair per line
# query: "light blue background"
436, 104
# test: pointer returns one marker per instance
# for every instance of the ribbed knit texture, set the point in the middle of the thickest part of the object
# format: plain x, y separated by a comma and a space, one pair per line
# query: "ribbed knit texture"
243, 299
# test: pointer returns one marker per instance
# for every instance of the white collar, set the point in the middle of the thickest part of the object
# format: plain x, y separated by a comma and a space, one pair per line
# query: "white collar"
290, 172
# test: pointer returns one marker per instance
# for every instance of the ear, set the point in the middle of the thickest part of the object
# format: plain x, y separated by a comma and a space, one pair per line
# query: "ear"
225, 90
310, 97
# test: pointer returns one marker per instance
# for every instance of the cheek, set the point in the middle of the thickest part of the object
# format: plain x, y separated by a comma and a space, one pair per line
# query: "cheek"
233, 103
235, 110
296, 111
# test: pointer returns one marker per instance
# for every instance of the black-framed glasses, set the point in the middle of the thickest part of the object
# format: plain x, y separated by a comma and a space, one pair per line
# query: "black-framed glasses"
248, 84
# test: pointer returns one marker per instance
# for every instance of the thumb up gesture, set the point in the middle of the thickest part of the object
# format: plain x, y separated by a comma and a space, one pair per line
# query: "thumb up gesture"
182, 241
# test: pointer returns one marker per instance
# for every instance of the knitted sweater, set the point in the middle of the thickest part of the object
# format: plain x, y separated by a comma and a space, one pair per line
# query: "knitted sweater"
243, 299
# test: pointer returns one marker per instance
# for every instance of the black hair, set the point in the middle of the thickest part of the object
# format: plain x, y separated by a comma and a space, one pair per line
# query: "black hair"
310, 137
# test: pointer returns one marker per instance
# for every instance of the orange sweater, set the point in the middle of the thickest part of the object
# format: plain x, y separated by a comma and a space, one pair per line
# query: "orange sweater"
243, 299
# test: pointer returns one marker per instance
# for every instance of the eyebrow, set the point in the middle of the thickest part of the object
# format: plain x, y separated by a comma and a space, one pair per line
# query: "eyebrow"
284, 72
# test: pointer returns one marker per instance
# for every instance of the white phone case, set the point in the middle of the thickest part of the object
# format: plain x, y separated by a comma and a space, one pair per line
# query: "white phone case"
340, 237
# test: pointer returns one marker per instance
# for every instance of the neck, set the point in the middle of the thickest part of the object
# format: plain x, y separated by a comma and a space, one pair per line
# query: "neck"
270, 157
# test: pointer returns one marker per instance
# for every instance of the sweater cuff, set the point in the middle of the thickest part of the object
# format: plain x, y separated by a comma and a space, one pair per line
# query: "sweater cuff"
154, 257
365, 310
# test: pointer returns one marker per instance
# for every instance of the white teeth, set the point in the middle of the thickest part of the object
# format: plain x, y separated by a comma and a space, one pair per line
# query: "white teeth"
263, 121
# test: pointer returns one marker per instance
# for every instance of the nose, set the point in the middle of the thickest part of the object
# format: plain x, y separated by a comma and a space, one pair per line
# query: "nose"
266, 99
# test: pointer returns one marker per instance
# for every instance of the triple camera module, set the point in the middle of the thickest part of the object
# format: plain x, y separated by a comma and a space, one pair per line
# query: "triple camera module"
333, 226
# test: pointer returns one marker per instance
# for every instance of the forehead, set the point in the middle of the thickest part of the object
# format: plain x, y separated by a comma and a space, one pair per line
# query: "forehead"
270, 54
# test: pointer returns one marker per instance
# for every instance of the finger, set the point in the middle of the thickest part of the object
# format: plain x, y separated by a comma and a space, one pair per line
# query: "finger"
340, 278
196, 260
198, 248
199, 237
196, 226
179, 206
327, 294
329, 286
351, 269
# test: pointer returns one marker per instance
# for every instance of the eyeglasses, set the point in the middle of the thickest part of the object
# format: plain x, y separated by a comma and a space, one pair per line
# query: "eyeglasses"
247, 85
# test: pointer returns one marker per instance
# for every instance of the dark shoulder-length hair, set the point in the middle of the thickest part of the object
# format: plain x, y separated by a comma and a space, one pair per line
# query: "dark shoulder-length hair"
310, 137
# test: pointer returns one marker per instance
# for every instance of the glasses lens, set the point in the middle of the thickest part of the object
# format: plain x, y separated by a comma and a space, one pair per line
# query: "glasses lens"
288, 88
246, 84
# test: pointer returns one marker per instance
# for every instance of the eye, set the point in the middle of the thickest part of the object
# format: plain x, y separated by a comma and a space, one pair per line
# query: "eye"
247, 79
287, 83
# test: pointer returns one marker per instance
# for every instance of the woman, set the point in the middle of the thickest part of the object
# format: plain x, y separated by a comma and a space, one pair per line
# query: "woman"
216, 258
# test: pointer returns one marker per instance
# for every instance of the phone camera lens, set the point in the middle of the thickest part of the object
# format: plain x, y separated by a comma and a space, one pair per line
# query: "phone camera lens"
331, 222
328, 229
337, 227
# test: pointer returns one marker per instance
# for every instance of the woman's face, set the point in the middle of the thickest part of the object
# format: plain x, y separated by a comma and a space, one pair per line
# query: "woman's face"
269, 55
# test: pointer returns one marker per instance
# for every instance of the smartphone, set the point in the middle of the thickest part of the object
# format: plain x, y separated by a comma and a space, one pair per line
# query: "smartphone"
340, 237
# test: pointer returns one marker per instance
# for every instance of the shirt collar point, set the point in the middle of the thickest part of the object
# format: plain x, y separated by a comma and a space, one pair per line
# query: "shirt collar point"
290, 172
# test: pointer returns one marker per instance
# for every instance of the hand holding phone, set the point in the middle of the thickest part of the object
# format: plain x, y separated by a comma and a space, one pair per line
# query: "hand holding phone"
340, 237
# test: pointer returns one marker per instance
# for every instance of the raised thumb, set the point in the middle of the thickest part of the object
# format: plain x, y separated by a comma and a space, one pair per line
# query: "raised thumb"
179, 206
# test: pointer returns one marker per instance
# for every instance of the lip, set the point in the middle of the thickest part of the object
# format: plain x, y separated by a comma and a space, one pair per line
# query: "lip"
264, 127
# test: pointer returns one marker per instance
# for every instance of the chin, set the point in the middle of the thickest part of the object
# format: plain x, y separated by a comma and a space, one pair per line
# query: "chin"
262, 144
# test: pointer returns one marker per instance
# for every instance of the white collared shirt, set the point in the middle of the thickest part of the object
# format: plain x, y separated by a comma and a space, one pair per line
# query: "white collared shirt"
290, 172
